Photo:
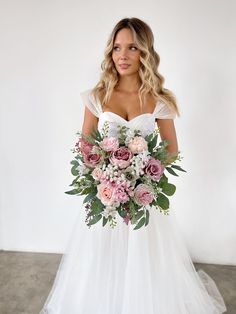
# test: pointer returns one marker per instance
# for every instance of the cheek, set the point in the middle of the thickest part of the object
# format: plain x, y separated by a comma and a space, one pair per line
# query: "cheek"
137, 58
113, 57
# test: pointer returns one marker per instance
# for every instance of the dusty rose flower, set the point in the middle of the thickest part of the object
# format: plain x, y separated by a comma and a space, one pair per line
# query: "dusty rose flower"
121, 157
109, 144
138, 145
97, 173
84, 146
106, 194
143, 194
154, 169
93, 159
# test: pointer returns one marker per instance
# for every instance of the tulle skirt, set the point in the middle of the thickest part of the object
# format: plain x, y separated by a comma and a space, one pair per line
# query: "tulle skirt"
126, 271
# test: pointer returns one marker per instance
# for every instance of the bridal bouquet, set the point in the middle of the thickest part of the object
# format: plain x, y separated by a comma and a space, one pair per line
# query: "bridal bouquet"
122, 175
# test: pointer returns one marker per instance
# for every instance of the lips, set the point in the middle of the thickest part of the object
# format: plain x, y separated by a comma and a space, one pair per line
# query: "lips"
124, 65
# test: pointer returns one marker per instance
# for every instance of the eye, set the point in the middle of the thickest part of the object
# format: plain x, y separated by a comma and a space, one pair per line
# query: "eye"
115, 47
135, 48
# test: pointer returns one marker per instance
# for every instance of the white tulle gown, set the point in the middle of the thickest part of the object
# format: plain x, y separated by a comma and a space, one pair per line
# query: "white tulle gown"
126, 271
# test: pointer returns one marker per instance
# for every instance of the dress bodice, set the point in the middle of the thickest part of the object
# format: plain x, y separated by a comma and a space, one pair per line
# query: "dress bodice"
144, 122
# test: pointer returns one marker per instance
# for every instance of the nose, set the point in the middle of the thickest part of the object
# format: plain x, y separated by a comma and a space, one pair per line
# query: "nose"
123, 54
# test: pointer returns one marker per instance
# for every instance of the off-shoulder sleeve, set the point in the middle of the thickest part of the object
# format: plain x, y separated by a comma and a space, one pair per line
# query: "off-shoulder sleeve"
162, 111
89, 101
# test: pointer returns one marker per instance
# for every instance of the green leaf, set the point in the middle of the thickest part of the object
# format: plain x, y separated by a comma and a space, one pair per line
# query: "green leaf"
162, 201
74, 181
95, 219
97, 206
152, 143
168, 188
163, 180
140, 223
88, 190
72, 192
90, 196
122, 212
147, 217
79, 157
104, 221
178, 168
139, 214
74, 170
171, 171
74, 162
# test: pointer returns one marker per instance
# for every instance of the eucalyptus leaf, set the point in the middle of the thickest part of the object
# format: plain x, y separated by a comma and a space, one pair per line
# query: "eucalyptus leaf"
162, 201
74, 162
147, 217
168, 188
122, 212
96, 206
163, 179
178, 168
90, 196
74, 170
104, 221
140, 223
72, 192
95, 219
139, 214
171, 171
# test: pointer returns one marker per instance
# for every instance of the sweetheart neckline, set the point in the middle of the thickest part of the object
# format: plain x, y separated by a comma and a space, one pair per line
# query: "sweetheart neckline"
140, 115
143, 114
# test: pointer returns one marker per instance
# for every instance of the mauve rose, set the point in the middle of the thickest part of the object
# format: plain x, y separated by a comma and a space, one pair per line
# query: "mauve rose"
143, 195
121, 157
92, 160
154, 169
109, 144
138, 145
84, 146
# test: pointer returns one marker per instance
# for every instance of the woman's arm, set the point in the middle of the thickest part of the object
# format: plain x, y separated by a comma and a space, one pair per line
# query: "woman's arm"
167, 132
90, 122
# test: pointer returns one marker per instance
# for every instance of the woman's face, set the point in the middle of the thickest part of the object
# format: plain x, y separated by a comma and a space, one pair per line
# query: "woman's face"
125, 55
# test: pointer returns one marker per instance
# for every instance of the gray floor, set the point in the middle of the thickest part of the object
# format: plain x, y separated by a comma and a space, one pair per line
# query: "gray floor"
26, 279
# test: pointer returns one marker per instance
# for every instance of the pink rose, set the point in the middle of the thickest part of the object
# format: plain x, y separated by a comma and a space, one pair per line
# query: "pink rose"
84, 146
138, 145
97, 173
121, 157
154, 169
106, 194
121, 195
143, 194
93, 159
109, 144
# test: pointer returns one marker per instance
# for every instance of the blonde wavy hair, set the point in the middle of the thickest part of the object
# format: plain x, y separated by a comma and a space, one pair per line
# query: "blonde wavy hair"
151, 80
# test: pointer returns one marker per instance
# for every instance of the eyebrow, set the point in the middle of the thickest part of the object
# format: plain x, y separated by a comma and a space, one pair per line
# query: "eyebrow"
128, 44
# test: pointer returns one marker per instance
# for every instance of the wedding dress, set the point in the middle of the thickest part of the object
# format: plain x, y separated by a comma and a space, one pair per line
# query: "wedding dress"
119, 270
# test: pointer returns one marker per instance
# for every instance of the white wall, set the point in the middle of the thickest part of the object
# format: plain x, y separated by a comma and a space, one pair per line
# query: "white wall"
51, 51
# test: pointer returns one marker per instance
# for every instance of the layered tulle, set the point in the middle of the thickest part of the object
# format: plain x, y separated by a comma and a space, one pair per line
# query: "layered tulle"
126, 271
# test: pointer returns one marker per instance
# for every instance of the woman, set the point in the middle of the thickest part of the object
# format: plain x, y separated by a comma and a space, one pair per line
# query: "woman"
121, 270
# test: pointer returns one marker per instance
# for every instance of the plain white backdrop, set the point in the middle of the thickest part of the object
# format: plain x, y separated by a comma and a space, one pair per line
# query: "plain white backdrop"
51, 51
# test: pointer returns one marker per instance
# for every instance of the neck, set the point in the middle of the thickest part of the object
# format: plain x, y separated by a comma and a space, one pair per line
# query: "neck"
128, 84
